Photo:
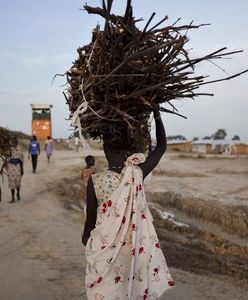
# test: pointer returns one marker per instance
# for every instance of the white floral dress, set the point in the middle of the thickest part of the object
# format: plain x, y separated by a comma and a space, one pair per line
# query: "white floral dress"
124, 259
14, 169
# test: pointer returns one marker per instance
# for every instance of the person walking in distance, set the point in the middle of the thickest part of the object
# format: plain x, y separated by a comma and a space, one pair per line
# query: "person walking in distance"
34, 151
49, 148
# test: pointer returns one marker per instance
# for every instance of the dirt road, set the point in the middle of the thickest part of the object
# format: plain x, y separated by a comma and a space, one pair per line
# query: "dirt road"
41, 256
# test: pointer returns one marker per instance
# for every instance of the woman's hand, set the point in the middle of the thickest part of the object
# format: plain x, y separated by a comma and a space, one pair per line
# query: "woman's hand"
156, 114
84, 240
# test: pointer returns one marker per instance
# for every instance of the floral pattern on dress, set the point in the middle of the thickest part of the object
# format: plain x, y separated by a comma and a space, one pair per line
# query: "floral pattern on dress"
14, 170
124, 258
105, 183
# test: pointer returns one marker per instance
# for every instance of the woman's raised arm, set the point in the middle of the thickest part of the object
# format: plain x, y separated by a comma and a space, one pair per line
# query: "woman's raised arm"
156, 154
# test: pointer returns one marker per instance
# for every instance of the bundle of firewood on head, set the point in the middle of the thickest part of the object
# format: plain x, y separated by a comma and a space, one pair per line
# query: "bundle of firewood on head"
125, 73
6, 144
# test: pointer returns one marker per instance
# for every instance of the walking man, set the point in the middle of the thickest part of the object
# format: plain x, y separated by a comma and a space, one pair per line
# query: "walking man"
34, 151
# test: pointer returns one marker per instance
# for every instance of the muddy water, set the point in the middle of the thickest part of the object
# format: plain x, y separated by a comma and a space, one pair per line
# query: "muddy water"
233, 219
190, 244
181, 219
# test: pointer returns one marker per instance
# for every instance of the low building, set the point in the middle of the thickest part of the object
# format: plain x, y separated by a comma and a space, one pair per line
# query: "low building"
179, 145
220, 146
202, 146
239, 148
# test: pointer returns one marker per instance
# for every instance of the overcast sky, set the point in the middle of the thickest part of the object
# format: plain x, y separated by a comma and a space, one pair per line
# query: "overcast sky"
40, 38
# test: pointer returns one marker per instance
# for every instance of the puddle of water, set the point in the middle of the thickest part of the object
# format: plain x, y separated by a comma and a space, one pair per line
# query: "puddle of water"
168, 215
181, 219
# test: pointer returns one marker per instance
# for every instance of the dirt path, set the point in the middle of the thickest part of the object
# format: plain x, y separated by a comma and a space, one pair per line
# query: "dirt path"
41, 256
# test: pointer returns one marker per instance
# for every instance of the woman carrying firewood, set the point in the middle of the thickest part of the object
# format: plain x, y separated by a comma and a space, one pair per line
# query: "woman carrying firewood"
123, 75
14, 168
124, 258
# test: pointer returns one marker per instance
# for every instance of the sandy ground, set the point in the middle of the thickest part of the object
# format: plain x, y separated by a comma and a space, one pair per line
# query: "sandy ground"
41, 256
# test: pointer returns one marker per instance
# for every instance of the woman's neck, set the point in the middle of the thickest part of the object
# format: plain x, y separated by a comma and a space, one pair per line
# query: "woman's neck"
116, 159
116, 165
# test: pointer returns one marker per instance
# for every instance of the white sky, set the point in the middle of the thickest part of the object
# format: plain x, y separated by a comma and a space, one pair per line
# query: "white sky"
40, 38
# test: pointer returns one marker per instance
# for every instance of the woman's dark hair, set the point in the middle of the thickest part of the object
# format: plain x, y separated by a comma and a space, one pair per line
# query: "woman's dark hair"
119, 137
90, 160
115, 137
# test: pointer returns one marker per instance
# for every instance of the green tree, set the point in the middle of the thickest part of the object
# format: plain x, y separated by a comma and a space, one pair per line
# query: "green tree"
220, 134
176, 137
236, 138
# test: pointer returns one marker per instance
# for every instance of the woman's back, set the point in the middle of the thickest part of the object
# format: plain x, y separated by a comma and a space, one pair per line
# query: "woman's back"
124, 259
105, 183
